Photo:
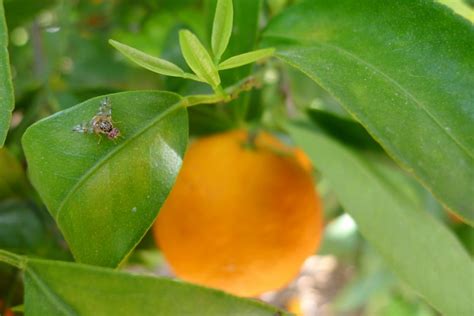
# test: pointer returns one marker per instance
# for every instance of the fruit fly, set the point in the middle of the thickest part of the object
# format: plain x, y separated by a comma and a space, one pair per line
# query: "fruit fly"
101, 123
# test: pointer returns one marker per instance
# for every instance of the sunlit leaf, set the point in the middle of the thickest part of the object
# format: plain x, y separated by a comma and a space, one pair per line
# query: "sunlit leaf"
198, 58
245, 34
104, 194
222, 27
246, 58
154, 64
461, 7
408, 78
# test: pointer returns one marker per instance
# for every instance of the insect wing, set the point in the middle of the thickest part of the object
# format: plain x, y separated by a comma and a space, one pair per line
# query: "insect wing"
84, 128
105, 108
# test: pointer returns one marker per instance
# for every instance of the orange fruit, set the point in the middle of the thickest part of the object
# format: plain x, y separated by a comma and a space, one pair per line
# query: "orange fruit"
241, 219
294, 306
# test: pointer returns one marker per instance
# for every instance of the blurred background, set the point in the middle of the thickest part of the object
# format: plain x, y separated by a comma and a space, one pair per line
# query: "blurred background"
60, 57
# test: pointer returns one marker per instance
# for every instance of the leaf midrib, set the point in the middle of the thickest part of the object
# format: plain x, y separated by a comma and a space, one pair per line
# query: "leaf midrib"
105, 158
396, 84
51, 295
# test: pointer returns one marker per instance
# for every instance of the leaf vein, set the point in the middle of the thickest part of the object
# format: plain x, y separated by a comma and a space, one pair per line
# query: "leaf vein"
403, 90
50, 295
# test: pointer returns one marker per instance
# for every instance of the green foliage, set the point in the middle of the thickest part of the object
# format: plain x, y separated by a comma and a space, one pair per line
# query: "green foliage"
6, 88
196, 55
399, 75
245, 36
198, 58
405, 74
158, 65
222, 28
417, 247
83, 182
345, 130
21, 230
98, 291
245, 59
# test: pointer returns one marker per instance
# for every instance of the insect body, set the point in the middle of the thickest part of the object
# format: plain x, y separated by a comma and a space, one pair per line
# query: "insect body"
101, 123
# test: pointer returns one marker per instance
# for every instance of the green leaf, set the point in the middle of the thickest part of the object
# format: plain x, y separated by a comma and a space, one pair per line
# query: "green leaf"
21, 230
198, 58
246, 58
408, 78
345, 130
27, 229
60, 288
7, 101
154, 64
222, 27
244, 38
419, 249
461, 7
105, 196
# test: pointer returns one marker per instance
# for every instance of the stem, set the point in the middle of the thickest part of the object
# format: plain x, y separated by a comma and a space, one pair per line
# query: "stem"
222, 95
12, 259
251, 142
220, 92
291, 109
203, 99
38, 49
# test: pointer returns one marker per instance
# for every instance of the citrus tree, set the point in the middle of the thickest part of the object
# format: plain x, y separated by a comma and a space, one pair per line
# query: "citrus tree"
369, 102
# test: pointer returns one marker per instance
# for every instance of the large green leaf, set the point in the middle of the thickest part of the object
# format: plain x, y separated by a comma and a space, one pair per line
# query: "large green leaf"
60, 288
405, 70
105, 196
6, 87
419, 249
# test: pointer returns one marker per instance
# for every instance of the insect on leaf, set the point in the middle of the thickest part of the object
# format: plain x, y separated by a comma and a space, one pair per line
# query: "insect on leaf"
105, 196
198, 58
222, 27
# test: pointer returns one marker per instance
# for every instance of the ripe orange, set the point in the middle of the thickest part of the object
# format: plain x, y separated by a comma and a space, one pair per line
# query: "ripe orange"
239, 218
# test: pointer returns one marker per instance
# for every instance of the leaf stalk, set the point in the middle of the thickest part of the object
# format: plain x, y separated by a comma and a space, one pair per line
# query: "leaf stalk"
12, 259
